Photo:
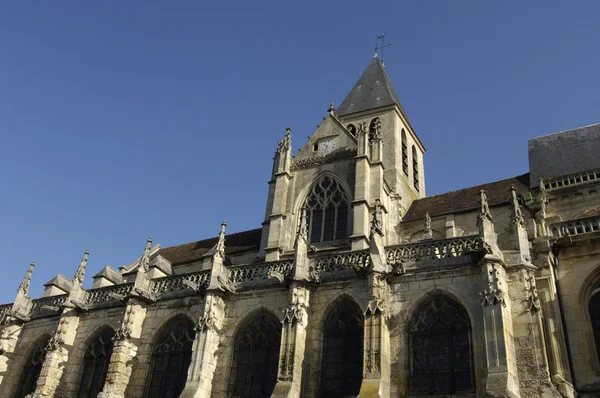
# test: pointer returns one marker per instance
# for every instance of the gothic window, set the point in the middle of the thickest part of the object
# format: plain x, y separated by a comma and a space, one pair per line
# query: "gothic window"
95, 364
327, 211
440, 348
32, 369
415, 168
342, 367
404, 154
351, 129
256, 357
594, 308
171, 357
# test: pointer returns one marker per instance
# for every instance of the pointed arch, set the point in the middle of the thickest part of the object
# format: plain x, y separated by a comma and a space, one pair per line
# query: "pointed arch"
440, 347
32, 367
404, 153
342, 362
415, 165
328, 207
171, 358
589, 299
256, 356
95, 362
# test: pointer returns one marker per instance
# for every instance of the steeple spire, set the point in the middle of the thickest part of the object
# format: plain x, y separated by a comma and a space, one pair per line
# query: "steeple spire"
24, 286
373, 90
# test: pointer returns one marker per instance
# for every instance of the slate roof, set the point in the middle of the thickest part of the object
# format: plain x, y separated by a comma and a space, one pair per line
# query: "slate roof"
568, 152
465, 199
237, 243
374, 89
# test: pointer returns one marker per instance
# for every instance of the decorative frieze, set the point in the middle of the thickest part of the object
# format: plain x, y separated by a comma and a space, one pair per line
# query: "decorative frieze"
336, 156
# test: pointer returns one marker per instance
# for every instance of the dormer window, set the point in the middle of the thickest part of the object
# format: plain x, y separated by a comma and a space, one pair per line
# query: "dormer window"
327, 211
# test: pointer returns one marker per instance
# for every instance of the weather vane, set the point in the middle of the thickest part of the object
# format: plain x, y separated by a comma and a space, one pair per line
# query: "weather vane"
378, 47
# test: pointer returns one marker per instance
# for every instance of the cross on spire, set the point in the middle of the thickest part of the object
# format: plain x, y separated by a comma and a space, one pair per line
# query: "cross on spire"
383, 45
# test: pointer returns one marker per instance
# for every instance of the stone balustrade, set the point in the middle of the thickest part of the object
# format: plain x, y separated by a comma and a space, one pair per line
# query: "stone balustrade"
262, 271
108, 293
181, 282
342, 261
569, 180
434, 249
579, 226
50, 304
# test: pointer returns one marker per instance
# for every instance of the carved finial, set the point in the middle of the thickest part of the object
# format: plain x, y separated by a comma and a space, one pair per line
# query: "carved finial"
484, 208
517, 215
286, 142
24, 286
145, 260
542, 185
377, 220
331, 108
220, 247
428, 234
302, 226
80, 274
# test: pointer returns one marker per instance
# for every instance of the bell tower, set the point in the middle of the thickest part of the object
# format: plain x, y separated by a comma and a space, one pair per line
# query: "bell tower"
374, 101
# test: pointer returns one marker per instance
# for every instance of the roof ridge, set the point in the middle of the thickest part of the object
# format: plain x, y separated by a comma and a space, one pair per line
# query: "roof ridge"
474, 186
214, 237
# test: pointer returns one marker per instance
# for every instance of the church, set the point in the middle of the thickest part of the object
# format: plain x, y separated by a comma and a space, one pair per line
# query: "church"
356, 284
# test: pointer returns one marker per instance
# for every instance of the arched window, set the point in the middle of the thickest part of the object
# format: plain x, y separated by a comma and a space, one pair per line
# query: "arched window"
32, 368
351, 129
256, 357
594, 308
95, 364
342, 368
440, 348
415, 168
171, 357
327, 211
404, 153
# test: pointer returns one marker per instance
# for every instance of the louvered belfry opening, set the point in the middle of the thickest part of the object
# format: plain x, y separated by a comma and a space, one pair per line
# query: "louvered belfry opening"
440, 348
342, 366
171, 357
256, 357
32, 368
95, 364
327, 211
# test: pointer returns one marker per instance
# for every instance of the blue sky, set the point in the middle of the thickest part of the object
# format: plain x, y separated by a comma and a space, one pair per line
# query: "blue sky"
123, 120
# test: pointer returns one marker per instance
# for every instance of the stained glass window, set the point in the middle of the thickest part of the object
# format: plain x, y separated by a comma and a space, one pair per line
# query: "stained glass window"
327, 211
95, 364
342, 367
171, 359
440, 346
256, 357
32, 369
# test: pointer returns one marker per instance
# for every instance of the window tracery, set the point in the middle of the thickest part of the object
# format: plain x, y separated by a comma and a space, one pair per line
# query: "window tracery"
404, 153
32, 368
342, 368
415, 168
594, 310
171, 357
95, 364
440, 347
327, 211
256, 357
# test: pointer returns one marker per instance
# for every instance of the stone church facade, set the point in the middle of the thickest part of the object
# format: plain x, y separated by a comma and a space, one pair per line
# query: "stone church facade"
357, 283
